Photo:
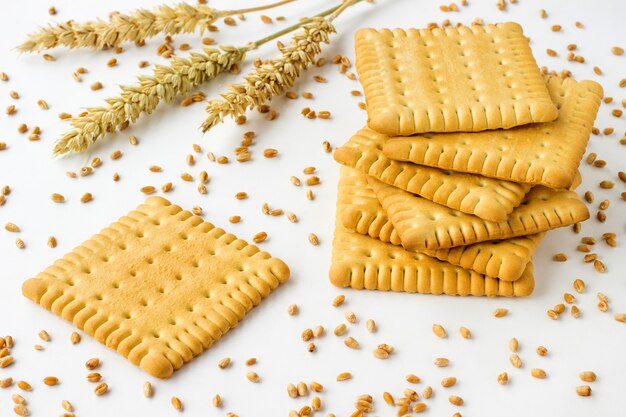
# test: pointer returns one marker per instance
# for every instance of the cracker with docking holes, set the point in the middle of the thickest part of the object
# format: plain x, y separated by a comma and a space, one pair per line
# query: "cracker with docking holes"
159, 285
487, 198
422, 224
362, 262
453, 79
361, 211
546, 153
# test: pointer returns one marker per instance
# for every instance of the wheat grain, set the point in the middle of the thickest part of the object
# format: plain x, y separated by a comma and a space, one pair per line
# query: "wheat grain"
94, 377
306, 335
448, 382
351, 342
12, 227
439, 331
92, 364
43, 335
344, 376
441, 362
302, 389
176, 403
21, 410
316, 387
6, 361
465, 333
24, 386
67, 406
413, 379
147, 389
224, 363
51, 380
455, 400
340, 329
18, 399
503, 378
252, 376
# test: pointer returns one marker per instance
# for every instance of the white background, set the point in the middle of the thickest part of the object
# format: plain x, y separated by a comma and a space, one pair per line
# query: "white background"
593, 342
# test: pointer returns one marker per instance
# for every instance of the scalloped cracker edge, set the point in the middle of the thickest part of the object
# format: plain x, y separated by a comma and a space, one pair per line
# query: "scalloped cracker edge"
360, 211
546, 153
159, 286
358, 208
422, 224
453, 79
487, 198
361, 262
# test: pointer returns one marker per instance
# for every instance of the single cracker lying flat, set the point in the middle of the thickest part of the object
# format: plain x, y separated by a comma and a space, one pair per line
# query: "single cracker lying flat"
484, 197
422, 224
361, 262
547, 153
360, 211
159, 285
454, 79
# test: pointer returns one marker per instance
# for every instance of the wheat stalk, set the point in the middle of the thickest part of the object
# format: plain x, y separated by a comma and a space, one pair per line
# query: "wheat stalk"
136, 27
274, 77
165, 84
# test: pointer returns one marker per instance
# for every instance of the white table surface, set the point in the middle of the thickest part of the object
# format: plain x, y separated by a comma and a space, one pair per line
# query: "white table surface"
595, 341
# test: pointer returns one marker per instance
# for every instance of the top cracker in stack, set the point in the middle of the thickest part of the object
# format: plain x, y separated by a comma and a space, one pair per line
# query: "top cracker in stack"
463, 79
465, 162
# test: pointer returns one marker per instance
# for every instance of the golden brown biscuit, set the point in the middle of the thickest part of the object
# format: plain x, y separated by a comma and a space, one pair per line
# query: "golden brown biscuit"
422, 224
453, 79
360, 211
487, 198
358, 208
159, 286
505, 259
547, 153
361, 262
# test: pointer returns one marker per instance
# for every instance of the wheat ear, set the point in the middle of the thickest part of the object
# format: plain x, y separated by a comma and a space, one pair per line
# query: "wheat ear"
164, 84
275, 76
136, 26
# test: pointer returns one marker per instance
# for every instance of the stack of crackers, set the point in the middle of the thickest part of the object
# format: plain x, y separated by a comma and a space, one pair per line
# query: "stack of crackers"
468, 158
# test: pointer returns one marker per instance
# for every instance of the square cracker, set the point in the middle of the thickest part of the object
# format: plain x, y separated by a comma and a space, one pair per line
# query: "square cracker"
422, 224
454, 79
487, 198
159, 285
361, 262
361, 211
546, 153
